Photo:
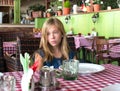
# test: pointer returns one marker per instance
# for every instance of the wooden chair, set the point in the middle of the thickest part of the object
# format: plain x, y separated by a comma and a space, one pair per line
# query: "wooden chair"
71, 44
114, 37
102, 50
24, 44
91, 51
104, 54
1, 56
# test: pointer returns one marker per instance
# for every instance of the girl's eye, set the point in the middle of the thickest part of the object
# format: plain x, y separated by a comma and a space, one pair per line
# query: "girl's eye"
56, 32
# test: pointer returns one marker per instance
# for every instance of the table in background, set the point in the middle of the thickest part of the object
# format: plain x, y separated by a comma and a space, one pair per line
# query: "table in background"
82, 42
93, 82
114, 45
9, 47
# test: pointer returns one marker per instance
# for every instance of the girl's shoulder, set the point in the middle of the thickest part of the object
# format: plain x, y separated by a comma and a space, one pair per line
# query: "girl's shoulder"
40, 51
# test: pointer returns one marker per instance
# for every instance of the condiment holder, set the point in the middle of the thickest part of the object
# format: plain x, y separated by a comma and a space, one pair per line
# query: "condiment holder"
47, 79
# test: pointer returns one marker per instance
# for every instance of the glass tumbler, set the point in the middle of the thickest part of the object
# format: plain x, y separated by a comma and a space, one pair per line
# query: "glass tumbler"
70, 69
7, 83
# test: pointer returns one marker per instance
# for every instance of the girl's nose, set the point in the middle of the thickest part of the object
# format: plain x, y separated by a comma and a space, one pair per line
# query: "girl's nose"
52, 35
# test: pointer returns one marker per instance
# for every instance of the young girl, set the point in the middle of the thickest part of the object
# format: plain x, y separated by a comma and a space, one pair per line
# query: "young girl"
53, 45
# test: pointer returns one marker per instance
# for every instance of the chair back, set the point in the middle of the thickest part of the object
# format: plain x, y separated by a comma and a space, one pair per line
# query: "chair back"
101, 45
28, 44
102, 50
114, 37
71, 43
1, 55
24, 44
95, 39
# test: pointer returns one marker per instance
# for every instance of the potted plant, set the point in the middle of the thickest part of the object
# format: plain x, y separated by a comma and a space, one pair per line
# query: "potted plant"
59, 7
49, 12
112, 3
96, 5
66, 7
37, 10
88, 6
59, 10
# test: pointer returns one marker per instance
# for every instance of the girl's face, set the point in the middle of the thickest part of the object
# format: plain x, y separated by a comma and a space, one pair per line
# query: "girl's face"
54, 36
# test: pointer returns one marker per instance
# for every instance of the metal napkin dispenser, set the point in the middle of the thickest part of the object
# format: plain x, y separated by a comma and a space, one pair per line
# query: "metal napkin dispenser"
47, 79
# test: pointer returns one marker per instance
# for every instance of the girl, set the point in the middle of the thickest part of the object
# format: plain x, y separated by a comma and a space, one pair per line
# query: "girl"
53, 45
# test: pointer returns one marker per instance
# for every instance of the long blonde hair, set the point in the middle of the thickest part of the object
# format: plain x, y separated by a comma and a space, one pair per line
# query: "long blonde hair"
64, 48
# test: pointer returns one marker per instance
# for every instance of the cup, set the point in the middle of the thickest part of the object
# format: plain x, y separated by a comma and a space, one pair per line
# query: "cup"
70, 69
7, 83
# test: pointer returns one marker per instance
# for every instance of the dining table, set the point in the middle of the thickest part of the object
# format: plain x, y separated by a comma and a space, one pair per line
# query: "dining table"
81, 42
89, 82
114, 45
9, 47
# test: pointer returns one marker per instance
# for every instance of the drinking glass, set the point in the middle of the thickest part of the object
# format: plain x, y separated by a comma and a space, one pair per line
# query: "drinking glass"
7, 83
70, 69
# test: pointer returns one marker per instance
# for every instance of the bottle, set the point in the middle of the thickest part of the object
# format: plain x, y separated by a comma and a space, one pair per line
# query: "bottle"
75, 9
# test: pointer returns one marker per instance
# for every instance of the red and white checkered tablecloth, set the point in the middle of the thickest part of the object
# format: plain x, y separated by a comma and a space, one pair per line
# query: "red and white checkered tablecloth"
9, 47
114, 48
82, 41
93, 82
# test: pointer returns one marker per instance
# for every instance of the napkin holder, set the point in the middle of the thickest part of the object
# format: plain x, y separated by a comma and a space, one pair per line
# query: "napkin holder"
47, 79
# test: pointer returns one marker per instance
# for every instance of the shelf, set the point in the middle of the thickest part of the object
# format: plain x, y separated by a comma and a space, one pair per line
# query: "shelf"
6, 5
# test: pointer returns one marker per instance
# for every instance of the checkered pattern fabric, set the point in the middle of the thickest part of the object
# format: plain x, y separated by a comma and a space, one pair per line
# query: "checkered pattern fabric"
9, 47
91, 82
23, 44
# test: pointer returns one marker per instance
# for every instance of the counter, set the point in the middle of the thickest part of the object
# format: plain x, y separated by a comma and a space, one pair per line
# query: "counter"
17, 25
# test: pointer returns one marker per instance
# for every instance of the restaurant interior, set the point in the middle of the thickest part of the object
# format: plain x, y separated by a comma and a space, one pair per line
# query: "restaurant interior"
93, 34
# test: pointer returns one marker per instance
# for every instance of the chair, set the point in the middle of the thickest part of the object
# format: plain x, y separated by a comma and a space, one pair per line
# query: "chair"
103, 53
24, 44
1, 56
114, 37
71, 44
91, 50
102, 50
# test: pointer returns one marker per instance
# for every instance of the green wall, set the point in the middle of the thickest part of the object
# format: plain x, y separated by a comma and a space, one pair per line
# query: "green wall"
108, 23
17, 11
39, 22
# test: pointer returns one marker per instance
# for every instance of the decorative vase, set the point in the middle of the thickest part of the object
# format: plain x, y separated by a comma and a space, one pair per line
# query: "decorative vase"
96, 7
89, 9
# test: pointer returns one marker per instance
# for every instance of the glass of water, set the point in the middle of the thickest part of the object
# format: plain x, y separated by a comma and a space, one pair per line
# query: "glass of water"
70, 69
